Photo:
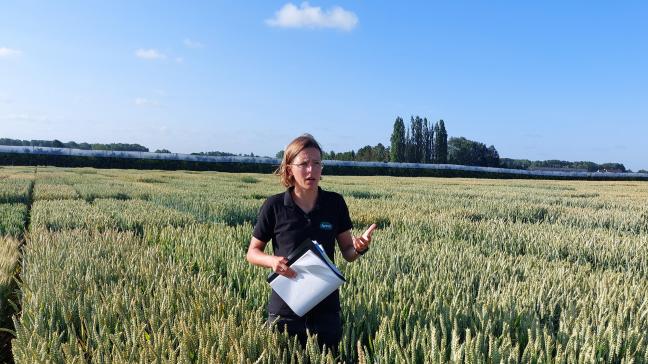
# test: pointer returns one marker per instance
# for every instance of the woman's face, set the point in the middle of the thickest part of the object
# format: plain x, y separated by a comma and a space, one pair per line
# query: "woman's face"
306, 169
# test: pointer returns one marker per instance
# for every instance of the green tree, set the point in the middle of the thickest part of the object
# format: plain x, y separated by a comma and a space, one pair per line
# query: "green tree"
463, 152
398, 145
345, 156
380, 153
515, 163
428, 136
440, 143
409, 148
613, 167
492, 157
417, 141
471, 153
365, 154
12, 142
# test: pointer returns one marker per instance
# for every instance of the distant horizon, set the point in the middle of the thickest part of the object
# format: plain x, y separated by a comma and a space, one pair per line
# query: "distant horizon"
539, 81
153, 150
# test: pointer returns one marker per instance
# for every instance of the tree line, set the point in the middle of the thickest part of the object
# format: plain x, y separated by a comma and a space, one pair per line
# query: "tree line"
422, 142
121, 147
61, 160
553, 164
117, 147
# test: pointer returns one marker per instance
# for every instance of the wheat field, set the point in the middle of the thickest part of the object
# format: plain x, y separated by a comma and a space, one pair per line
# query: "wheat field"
126, 266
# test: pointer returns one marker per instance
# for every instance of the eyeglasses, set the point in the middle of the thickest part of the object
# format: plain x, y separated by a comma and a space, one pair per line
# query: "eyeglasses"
304, 165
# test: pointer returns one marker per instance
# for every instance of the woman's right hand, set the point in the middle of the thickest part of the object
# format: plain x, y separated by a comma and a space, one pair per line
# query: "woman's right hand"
280, 266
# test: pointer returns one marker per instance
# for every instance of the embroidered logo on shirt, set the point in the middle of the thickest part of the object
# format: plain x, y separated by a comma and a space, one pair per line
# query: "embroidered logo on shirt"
324, 225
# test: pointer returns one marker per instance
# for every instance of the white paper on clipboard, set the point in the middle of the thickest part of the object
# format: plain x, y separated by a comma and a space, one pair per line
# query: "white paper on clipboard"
317, 277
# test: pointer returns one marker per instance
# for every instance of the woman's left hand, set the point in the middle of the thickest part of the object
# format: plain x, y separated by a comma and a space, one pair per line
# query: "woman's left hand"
361, 243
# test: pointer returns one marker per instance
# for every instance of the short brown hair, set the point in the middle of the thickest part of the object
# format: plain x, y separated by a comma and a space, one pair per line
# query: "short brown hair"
295, 147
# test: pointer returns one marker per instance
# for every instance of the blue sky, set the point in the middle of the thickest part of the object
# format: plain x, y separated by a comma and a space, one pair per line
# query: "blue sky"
539, 80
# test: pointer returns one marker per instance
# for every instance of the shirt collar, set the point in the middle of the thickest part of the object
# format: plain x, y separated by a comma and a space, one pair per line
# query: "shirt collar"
288, 200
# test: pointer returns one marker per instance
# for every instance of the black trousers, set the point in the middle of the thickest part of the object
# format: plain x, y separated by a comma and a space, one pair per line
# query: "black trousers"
327, 326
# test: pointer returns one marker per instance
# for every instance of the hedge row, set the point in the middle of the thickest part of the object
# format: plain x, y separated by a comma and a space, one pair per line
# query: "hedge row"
155, 164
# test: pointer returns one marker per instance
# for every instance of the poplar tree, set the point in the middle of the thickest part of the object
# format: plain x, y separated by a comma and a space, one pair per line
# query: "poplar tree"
440, 143
409, 145
435, 143
418, 140
428, 134
398, 144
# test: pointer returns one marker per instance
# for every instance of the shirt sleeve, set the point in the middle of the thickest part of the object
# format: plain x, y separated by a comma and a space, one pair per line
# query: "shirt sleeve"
264, 228
344, 220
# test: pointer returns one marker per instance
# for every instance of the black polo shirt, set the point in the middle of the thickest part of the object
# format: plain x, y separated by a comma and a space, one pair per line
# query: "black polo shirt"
283, 222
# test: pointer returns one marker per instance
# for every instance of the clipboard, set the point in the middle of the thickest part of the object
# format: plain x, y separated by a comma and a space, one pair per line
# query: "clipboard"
317, 277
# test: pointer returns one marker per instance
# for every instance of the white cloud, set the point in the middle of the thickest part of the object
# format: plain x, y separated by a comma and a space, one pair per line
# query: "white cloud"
306, 16
144, 102
8, 52
193, 43
179, 60
149, 54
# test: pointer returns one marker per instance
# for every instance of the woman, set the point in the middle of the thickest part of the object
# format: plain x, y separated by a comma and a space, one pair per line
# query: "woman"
303, 211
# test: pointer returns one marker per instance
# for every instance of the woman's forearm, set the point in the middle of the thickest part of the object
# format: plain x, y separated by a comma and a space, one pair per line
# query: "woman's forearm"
350, 254
345, 242
257, 257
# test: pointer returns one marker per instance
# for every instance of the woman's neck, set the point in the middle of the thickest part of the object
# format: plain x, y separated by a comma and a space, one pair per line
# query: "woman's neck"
305, 199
